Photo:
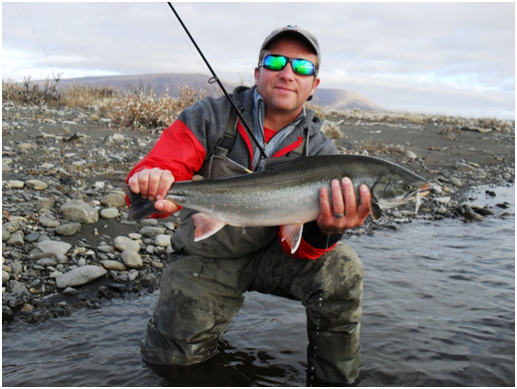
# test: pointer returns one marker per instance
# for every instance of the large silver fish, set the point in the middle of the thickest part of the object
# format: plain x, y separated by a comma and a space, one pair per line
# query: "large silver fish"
286, 195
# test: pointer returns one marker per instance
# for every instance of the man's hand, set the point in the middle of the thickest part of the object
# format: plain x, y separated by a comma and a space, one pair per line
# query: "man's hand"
343, 212
153, 184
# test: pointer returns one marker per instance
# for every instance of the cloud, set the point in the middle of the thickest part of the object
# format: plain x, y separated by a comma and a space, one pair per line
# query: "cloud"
416, 54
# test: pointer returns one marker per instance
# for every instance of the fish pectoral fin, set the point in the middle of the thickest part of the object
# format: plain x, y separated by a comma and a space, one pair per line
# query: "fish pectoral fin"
292, 234
206, 226
375, 210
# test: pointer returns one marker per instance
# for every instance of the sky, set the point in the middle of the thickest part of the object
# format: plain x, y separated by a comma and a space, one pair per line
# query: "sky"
435, 58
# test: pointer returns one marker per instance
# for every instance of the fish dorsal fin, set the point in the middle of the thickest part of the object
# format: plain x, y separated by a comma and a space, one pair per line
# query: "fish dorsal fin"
292, 234
205, 225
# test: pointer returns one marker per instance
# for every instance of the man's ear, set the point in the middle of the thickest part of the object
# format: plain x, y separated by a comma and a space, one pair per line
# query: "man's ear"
257, 71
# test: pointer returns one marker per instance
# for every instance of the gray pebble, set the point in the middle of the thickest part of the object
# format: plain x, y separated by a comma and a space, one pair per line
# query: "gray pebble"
68, 229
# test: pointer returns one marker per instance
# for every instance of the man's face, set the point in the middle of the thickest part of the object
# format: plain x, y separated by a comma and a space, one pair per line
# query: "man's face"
285, 91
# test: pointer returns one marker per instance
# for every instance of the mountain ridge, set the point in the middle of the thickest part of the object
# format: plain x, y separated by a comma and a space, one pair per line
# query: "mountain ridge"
173, 83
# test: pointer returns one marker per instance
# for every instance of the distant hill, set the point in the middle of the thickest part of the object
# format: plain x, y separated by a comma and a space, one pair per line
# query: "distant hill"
340, 99
173, 82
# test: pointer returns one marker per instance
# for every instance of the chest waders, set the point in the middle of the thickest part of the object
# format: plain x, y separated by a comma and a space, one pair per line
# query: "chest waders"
200, 292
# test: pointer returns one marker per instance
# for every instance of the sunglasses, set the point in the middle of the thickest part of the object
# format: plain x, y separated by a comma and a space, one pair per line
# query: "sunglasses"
300, 66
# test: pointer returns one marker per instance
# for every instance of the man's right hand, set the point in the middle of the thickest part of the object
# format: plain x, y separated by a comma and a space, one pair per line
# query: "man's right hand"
153, 184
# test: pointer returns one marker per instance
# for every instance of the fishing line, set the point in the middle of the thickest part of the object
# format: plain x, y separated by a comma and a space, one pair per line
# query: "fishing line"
215, 79
39, 40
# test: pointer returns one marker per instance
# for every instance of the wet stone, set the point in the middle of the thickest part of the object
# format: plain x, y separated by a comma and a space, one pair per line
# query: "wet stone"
80, 276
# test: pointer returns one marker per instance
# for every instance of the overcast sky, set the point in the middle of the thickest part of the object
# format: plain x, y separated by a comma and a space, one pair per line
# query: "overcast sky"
451, 58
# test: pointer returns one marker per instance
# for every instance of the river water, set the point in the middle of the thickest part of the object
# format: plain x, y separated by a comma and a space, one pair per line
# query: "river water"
438, 310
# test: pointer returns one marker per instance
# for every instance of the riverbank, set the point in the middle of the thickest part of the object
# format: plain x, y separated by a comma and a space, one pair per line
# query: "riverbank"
67, 243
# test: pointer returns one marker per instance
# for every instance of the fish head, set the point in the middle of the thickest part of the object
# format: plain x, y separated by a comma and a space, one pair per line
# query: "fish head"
396, 188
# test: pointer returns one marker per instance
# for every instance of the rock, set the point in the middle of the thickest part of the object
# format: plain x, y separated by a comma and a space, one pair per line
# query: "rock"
37, 184
123, 243
7, 313
151, 231
442, 200
162, 240
68, 229
5, 277
456, 182
69, 291
113, 265
411, 155
80, 276
133, 275
32, 236
79, 211
18, 294
46, 262
469, 213
16, 268
16, 239
45, 203
14, 225
15, 184
54, 247
114, 199
5, 235
110, 213
27, 308
48, 221
132, 259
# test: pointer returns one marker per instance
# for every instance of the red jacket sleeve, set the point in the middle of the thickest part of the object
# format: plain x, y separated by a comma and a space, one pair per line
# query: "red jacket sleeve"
177, 150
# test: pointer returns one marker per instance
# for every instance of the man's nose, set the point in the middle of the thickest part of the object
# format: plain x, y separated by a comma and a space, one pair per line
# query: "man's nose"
287, 72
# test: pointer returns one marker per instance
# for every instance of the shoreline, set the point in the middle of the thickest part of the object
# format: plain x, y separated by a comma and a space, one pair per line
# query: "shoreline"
63, 208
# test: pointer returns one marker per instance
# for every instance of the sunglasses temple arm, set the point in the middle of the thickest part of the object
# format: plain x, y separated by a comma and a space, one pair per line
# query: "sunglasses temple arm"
216, 79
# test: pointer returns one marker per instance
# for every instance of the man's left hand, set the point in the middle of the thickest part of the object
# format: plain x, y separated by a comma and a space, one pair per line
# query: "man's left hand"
343, 212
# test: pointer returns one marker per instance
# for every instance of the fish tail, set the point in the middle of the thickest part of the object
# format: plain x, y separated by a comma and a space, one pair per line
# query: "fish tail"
139, 207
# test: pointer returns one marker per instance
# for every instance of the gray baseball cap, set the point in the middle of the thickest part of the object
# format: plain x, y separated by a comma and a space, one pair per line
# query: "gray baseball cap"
289, 29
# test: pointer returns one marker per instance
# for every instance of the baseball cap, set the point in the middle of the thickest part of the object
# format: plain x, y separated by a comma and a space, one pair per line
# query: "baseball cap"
290, 29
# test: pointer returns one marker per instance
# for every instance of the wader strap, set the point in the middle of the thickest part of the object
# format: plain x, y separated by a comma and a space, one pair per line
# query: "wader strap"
230, 132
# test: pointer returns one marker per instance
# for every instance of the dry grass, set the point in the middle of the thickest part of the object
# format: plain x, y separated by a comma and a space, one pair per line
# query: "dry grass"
81, 96
144, 110
139, 109
31, 93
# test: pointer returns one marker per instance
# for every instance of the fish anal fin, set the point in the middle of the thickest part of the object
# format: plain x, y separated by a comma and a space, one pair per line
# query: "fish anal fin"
206, 226
375, 210
292, 234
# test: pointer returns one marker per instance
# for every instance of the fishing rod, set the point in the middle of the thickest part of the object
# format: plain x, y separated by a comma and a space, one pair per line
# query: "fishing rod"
216, 79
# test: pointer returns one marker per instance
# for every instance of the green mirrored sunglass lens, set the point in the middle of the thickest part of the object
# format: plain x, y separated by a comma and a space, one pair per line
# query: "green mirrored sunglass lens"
275, 63
303, 67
